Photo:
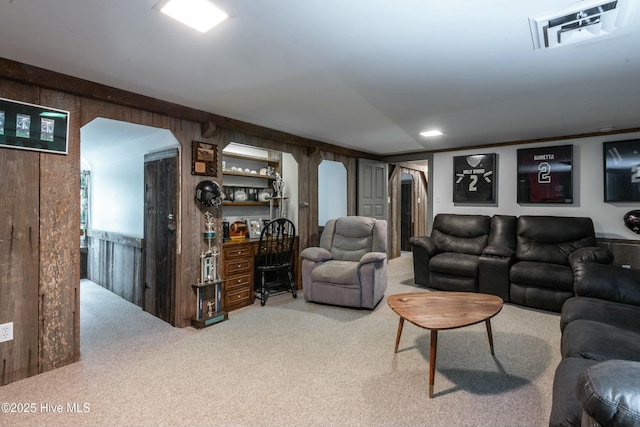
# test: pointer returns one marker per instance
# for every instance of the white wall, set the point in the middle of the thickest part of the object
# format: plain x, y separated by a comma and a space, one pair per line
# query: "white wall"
117, 177
332, 191
117, 196
588, 187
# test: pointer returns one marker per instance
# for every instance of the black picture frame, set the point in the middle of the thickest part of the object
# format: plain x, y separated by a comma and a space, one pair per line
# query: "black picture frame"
545, 175
33, 127
621, 163
474, 178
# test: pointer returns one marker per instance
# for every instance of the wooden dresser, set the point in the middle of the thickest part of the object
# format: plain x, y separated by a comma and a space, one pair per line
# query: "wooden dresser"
237, 271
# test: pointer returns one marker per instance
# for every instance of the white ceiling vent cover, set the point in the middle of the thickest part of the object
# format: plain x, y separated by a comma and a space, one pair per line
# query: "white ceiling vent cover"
579, 21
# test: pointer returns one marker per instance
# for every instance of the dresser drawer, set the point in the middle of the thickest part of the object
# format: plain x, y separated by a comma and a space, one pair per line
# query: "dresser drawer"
237, 251
238, 298
238, 266
235, 282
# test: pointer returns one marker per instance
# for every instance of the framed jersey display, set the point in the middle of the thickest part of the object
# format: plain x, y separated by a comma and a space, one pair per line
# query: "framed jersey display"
33, 127
622, 171
545, 175
474, 178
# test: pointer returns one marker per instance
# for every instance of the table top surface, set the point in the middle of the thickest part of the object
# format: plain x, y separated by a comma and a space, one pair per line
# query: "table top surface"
445, 310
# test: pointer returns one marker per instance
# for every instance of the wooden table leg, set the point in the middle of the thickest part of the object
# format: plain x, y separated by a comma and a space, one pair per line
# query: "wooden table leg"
432, 360
488, 322
399, 333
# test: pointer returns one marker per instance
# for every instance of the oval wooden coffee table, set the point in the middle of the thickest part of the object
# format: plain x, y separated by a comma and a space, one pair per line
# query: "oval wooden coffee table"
443, 310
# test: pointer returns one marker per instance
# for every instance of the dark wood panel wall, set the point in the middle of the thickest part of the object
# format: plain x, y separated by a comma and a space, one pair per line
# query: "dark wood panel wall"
418, 208
40, 208
115, 262
39, 278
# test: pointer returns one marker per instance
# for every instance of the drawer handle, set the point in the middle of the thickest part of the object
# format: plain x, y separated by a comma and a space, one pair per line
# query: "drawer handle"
239, 280
239, 265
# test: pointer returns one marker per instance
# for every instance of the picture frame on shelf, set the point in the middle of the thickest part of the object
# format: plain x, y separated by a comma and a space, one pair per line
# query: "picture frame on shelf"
545, 175
254, 224
474, 178
204, 158
621, 170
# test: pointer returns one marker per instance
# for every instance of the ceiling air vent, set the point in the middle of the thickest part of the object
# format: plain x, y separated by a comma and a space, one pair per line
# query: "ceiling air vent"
577, 22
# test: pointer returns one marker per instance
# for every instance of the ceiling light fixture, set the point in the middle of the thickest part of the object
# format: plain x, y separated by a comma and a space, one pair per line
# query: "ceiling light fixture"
430, 133
201, 15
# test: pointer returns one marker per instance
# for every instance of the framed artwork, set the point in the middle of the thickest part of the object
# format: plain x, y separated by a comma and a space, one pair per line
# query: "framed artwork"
545, 175
33, 127
204, 159
474, 178
254, 224
621, 171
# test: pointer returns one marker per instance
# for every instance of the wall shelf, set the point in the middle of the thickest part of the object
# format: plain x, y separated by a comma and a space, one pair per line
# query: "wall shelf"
228, 203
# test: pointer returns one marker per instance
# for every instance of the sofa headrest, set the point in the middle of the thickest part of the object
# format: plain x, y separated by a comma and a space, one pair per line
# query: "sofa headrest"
353, 236
552, 239
467, 234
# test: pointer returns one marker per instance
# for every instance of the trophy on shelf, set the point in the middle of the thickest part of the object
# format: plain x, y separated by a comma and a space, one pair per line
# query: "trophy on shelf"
279, 197
209, 258
209, 287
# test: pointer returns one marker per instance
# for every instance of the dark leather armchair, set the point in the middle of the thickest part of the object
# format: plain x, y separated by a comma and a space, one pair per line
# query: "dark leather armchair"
448, 259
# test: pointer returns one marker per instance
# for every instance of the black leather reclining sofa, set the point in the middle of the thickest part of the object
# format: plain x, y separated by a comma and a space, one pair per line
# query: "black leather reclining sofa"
524, 260
597, 383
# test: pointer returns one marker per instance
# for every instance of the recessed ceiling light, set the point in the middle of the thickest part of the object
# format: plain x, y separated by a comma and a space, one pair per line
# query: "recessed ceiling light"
432, 132
201, 15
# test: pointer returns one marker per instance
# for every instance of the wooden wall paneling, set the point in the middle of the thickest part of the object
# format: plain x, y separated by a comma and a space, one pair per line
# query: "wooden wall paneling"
115, 263
19, 242
19, 246
393, 223
420, 224
91, 109
60, 244
191, 219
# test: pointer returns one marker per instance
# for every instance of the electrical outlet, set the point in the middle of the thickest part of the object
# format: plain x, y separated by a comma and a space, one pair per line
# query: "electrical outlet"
6, 332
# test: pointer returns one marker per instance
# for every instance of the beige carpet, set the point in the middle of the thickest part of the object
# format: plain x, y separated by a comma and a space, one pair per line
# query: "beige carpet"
293, 363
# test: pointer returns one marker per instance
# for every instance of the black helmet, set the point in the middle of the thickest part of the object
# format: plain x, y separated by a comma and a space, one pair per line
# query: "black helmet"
208, 193
632, 221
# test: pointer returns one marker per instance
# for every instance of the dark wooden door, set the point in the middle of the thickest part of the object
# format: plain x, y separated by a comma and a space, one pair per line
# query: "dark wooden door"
160, 184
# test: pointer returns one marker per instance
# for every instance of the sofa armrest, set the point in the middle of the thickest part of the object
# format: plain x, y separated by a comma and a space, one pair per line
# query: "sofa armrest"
493, 275
426, 243
607, 282
499, 251
316, 254
370, 257
590, 254
609, 392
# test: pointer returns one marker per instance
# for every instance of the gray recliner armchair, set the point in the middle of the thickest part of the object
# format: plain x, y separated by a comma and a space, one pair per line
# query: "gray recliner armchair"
349, 268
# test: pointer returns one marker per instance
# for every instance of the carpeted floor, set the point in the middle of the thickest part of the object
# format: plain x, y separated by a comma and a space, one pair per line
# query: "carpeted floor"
293, 363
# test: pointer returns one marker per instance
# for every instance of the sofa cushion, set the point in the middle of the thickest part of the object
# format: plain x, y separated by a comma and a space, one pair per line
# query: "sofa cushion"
455, 263
623, 316
337, 272
551, 239
542, 275
598, 341
565, 407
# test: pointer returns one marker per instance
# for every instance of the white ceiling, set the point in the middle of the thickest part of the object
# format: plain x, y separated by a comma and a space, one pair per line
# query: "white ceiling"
363, 74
